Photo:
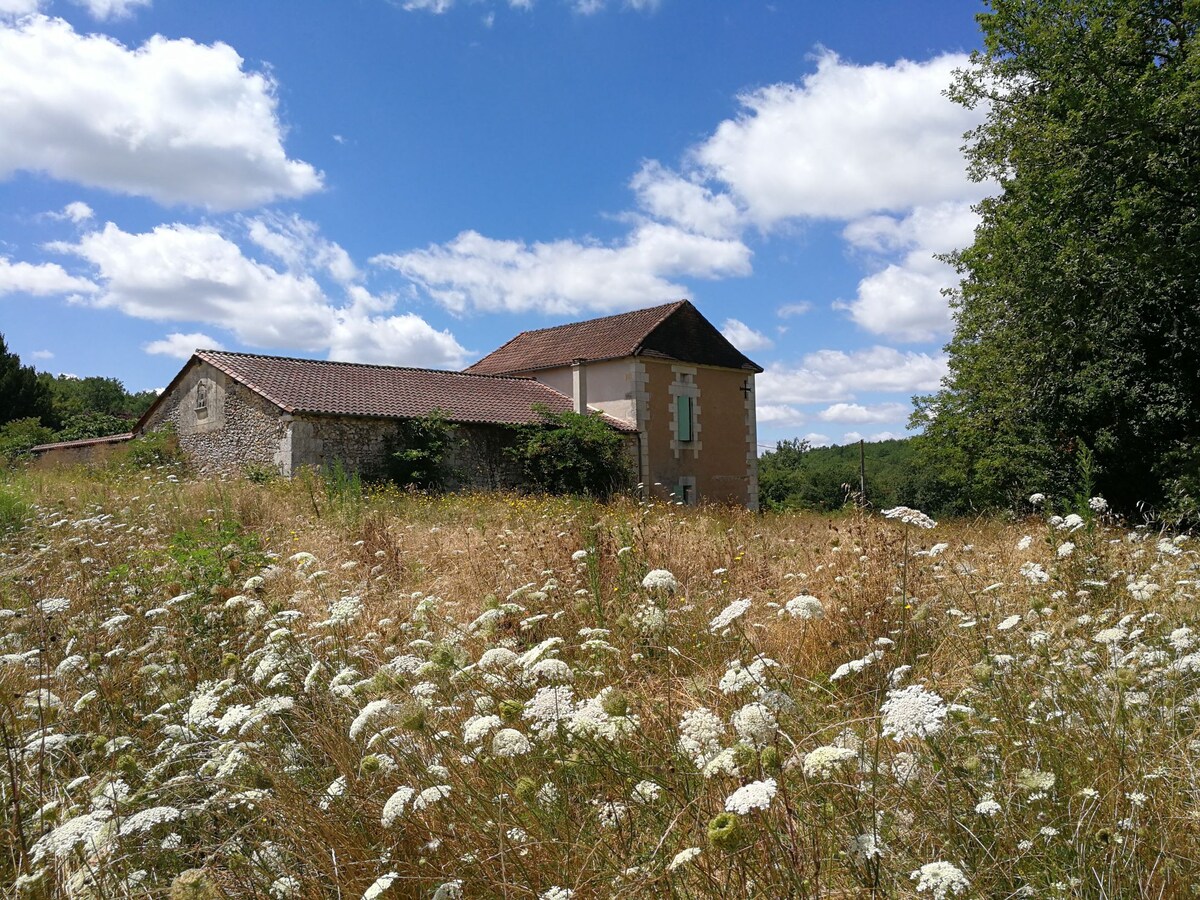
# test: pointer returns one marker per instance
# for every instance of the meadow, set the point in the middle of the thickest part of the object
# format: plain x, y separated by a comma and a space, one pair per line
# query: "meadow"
250, 687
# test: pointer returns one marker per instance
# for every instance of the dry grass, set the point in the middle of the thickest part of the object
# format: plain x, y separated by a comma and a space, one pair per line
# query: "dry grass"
209, 646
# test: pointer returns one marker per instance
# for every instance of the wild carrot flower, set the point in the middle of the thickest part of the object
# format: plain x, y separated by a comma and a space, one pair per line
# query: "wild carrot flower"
660, 580
910, 516
381, 884
942, 879
824, 761
683, 857
804, 606
394, 808
726, 617
430, 796
508, 742
755, 795
700, 733
755, 724
913, 712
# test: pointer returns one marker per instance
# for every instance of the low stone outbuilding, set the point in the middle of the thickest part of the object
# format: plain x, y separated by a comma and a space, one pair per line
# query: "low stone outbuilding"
664, 376
240, 409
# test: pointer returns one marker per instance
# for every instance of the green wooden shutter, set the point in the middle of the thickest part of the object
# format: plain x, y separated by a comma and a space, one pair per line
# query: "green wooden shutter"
683, 418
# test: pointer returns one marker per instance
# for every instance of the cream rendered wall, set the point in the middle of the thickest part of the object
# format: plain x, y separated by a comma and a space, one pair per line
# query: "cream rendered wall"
610, 387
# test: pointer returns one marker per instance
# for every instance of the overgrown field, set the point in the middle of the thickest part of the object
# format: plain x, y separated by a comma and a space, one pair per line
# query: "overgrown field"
219, 688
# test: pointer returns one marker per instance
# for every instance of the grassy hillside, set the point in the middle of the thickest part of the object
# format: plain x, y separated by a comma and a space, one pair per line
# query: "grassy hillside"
214, 688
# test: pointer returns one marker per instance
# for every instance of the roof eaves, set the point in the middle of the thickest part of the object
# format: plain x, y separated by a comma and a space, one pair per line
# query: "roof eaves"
240, 378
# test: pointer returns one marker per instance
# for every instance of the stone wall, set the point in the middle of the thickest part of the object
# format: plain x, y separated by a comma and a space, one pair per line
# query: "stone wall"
477, 460
221, 424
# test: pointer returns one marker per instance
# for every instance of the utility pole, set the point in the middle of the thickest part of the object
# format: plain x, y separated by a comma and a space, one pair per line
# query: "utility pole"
862, 473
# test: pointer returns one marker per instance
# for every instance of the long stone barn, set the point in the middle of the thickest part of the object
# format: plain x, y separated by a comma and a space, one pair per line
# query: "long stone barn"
664, 377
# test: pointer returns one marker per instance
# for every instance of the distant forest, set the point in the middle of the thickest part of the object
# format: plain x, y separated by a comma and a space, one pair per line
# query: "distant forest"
38, 407
797, 475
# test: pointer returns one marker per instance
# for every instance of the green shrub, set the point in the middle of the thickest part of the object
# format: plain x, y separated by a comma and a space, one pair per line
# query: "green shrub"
573, 453
417, 453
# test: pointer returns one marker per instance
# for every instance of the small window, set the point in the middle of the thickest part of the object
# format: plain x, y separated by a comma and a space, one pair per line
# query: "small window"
683, 418
201, 395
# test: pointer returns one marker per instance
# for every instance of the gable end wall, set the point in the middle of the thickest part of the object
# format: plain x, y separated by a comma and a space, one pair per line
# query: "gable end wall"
237, 427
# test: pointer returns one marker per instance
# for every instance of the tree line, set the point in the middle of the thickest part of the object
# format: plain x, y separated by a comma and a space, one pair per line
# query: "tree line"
38, 407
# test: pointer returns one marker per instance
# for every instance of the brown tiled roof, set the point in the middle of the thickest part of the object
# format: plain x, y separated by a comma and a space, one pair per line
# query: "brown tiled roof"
353, 389
675, 331
83, 442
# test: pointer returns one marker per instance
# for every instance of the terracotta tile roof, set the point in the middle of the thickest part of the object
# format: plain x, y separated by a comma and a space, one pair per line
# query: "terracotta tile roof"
353, 389
674, 331
83, 442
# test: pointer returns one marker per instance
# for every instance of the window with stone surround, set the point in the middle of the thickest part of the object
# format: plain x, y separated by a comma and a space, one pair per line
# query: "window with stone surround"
201, 396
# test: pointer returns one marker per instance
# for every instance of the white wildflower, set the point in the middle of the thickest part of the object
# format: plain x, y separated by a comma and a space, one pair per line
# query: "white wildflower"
755, 724
728, 615
53, 606
913, 712
373, 710
497, 659
824, 761
548, 707
1037, 499
683, 857
1098, 504
1034, 573
646, 791
1065, 549
556, 893
987, 806
381, 884
942, 879
755, 795
476, 728
700, 733
508, 742
910, 516
147, 819
1025, 543
430, 796
805, 606
393, 809
1010, 622
660, 580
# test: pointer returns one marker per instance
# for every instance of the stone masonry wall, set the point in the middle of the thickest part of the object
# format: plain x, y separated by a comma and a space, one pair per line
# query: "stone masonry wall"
478, 458
235, 426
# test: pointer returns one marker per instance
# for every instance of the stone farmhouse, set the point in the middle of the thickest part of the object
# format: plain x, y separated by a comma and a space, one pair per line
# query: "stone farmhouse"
665, 377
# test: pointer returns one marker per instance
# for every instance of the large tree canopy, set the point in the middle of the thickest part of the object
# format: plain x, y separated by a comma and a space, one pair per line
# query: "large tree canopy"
1078, 313
21, 394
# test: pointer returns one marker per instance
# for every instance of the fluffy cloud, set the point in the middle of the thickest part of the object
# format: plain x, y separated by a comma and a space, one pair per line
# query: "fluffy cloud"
857, 414
834, 375
846, 141
111, 9
182, 346
906, 299
173, 120
183, 273
474, 271
668, 196
19, 7
76, 212
744, 337
44, 280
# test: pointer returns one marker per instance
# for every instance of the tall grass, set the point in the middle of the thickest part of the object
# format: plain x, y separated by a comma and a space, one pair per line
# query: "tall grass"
240, 688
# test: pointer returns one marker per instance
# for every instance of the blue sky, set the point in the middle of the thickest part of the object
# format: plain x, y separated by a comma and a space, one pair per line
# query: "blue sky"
414, 183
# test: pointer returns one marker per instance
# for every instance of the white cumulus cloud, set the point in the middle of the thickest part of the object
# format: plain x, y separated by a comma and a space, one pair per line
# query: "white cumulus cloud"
40, 280
185, 273
906, 299
846, 141
182, 346
857, 414
19, 7
173, 120
835, 375
744, 337
111, 9
477, 272
669, 196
